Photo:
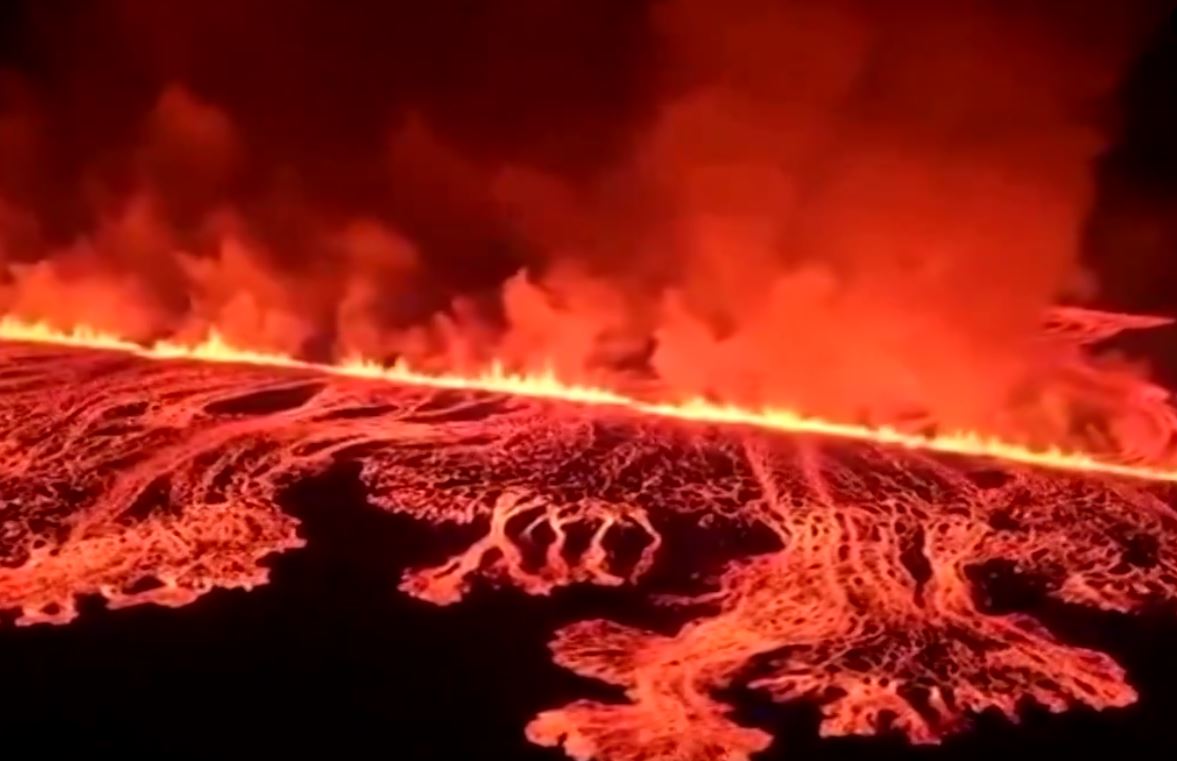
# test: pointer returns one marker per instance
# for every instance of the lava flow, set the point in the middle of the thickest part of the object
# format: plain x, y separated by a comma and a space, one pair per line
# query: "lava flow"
153, 475
547, 385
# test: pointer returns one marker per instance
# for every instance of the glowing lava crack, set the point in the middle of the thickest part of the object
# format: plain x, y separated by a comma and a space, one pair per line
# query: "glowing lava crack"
155, 481
548, 386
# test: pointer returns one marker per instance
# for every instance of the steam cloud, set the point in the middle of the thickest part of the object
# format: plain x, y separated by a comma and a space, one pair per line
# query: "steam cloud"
848, 207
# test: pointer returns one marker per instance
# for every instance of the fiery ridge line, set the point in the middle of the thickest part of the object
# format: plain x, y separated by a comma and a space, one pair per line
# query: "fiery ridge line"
546, 385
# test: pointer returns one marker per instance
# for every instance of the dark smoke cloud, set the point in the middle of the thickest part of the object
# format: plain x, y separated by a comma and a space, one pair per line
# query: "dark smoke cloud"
850, 206
1132, 228
847, 206
312, 91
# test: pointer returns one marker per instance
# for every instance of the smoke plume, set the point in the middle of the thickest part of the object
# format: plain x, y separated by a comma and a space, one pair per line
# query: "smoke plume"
856, 209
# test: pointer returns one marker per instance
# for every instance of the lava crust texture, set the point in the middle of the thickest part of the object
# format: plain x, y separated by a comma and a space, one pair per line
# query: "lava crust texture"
149, 481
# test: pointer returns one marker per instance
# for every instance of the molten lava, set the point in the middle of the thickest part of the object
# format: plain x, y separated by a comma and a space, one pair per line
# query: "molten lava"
547, 385
153, 475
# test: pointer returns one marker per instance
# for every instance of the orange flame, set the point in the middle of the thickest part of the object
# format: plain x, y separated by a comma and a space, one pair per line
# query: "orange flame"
546, 385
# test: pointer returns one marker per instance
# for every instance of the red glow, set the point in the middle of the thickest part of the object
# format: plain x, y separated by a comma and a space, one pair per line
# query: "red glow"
166, 469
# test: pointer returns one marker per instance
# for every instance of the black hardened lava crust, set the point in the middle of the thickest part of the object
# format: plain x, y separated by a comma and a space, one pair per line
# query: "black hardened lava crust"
329, 658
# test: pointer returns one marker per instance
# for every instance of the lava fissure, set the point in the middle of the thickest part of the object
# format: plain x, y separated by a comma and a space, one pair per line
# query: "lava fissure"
1154, 408
867, 600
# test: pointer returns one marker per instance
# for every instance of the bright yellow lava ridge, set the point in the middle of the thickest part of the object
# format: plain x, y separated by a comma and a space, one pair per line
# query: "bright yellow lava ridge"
495, 379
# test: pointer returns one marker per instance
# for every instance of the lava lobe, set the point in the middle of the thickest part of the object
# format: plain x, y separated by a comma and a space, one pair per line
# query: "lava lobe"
156, 481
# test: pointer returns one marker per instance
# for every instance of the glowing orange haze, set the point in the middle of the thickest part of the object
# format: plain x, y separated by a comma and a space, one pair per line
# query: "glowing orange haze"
816, 213
832, 217
547, 385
